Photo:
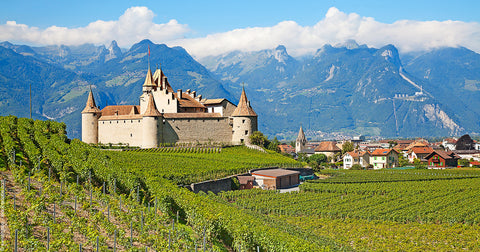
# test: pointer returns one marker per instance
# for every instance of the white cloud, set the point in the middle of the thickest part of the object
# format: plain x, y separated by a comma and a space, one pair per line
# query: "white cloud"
336, 26
133, 26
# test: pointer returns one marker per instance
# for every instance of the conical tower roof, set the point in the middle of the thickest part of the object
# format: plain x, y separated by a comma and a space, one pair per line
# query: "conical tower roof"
149, 79
244, 108
90, 107
151, 109
157, 77
301, 135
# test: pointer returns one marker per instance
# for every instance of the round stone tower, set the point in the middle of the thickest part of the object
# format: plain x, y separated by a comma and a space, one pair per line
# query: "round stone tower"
90, 115
150, 124
244, 121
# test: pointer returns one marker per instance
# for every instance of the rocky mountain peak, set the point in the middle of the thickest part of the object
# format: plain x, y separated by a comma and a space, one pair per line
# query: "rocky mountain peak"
113, 51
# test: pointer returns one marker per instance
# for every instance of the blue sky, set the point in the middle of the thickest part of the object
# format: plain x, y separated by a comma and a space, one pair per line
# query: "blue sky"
199, 19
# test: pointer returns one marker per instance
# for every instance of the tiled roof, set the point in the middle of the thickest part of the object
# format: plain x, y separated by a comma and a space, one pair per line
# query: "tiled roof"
381, 152
188, 102
444, 154
192, 115
274, 172
327, 147
244, 108
421, 150
151, 108
243, 180
149, 79
212, 101
119, 110
90, 106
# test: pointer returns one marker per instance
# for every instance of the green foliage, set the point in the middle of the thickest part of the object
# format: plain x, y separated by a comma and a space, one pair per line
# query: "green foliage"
464, 162
273, 145
356, 167
418, 164
257, 138
402, 161
347, 147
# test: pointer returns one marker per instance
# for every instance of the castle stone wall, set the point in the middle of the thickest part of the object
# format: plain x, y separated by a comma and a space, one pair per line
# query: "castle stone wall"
121, 131
192, 130
243, 127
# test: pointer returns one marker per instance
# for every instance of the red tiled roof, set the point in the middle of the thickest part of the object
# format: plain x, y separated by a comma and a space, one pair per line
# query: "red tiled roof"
381, 152
188, 102
421, 150
327, 147
90, 106
120, 109
244, 108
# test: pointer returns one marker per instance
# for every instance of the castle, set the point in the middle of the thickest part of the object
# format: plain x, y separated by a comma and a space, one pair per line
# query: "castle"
165, 116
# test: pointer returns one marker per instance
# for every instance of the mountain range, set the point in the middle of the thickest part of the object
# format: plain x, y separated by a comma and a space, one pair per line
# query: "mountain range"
347, 88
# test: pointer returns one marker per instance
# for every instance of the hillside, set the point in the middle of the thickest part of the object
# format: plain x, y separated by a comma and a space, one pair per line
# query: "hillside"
61, 77
354, 89
65, 195
346, 89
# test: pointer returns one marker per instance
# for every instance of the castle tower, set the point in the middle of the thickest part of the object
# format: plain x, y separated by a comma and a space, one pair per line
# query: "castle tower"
149, 84
150, 124
244, 121
90, 115
301, 141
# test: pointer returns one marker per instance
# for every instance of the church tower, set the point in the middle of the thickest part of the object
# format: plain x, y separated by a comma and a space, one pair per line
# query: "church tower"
150, 124
244, 121
90, 115
301, 141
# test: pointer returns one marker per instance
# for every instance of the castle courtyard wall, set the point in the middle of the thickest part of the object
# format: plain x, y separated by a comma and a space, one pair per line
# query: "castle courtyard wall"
192, 130
120, 131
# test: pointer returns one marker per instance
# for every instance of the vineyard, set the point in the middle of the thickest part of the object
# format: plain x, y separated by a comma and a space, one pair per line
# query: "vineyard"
385, 210
64, 195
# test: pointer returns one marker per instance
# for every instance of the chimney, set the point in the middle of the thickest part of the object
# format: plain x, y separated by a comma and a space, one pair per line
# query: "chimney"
179, 94
188, 91
194, 94
198, 98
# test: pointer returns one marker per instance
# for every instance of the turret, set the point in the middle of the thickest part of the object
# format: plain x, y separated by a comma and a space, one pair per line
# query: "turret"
90, 115
150, 124
244, 121
301, 141
149, 84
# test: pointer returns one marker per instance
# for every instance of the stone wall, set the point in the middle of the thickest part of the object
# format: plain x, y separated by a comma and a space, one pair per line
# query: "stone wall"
192, 130
214, 186
120, 131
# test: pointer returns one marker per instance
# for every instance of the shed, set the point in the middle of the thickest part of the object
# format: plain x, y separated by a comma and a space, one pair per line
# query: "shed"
246, 182
276, 178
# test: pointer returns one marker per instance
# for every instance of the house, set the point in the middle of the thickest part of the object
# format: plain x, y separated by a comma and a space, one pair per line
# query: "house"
384, 158
419, 153
328, 148
273, 179
449, 143
356, 157
246, 182
286, 148
442, 159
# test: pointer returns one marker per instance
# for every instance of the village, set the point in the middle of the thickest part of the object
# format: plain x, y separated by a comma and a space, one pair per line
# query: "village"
358, 153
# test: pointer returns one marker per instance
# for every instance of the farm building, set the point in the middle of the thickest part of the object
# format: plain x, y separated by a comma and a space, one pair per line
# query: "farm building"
276, 178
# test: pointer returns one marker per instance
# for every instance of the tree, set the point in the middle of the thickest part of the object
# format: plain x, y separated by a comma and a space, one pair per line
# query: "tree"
347, 147
319, 158
356, 167
273, 145
257, 138
418, 164
464, 162
402, 161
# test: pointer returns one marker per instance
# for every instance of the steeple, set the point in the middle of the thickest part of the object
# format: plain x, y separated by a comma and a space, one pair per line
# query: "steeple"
301, 135
301, 141
151, 109
244, 108
90, 107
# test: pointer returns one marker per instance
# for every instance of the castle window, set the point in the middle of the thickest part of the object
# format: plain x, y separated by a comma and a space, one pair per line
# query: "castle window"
188, 120
168, 101
162, 110
243, 121
117, 121
110, 122
131, 135
131, 121
123, 121
138, 120
246, 132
